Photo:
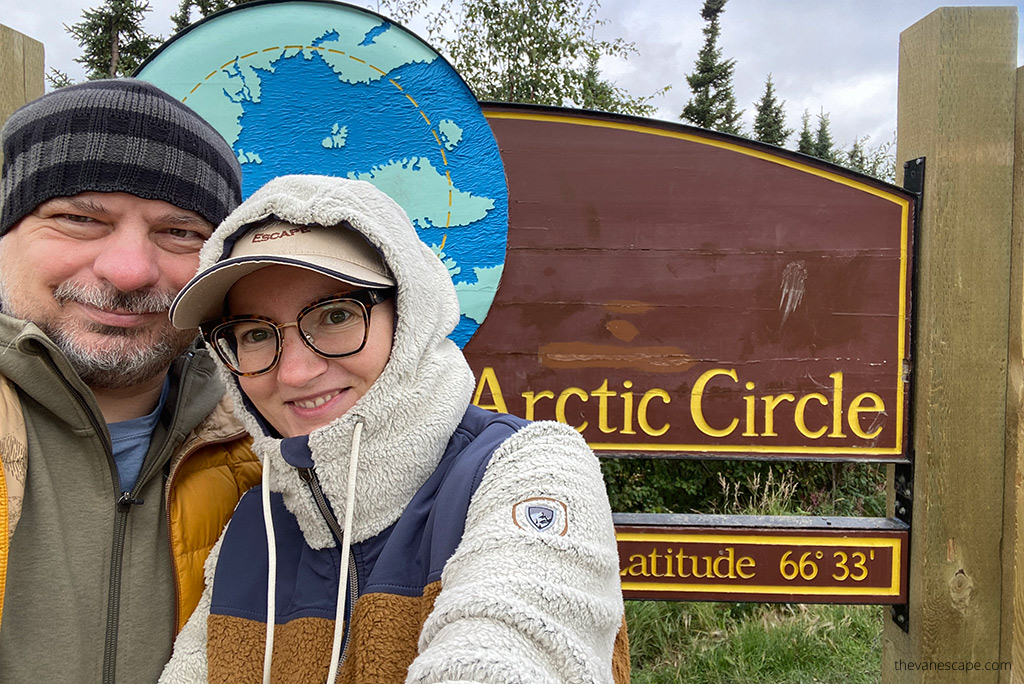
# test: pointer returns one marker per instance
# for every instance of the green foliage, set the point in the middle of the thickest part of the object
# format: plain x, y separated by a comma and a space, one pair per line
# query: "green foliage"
753, 487
532, 51
402, 11
770, 122
723, 643
879, 161
604, 96
713, 105
773, 496
57, 78
820, 144
824, 147
596, 94
204, 8
657, 485
112, 39
855, 158
806, 143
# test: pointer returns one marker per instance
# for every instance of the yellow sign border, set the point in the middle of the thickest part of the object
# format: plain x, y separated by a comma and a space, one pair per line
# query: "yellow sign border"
894, 543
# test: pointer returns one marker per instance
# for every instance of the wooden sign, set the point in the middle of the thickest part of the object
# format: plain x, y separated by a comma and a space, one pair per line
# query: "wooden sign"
669, 290
764, 558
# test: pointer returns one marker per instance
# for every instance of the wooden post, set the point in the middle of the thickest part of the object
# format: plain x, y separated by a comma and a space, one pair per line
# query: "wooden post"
21, 71
1012, 646
957, 90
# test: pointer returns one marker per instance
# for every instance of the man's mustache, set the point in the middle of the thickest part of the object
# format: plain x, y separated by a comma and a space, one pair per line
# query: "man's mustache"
110, 298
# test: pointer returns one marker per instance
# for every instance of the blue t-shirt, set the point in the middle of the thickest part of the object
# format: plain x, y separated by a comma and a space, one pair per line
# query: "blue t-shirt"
130, 440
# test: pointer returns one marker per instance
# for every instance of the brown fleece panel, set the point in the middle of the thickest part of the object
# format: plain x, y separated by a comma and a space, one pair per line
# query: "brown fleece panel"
235, 650
383, 643
620, 655
385, 633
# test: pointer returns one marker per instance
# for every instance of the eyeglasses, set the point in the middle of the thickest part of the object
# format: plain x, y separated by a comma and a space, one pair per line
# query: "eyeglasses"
333, 327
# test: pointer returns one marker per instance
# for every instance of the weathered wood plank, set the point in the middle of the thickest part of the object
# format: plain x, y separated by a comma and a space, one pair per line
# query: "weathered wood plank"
1012, 646
21, 71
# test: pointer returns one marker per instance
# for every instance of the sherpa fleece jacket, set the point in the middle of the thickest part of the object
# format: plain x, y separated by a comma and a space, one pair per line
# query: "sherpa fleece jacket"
483, 546
95, 590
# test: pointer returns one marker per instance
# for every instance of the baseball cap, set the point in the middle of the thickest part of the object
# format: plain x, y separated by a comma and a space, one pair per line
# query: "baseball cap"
337, 251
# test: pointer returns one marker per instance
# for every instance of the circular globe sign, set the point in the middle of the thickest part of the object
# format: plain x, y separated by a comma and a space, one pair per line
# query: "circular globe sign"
327, 88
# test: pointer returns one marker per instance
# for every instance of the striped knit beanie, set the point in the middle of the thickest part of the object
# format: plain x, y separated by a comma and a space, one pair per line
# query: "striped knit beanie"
117, 135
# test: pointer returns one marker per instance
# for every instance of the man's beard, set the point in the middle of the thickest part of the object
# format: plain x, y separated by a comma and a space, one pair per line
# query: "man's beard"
123, 358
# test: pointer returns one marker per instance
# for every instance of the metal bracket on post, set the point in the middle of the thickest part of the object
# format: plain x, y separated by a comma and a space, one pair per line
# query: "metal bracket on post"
903, 483
901, 616
903, 478
913, 179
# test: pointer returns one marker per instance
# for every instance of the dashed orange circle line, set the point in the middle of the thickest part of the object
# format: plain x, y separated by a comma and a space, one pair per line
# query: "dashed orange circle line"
415, 104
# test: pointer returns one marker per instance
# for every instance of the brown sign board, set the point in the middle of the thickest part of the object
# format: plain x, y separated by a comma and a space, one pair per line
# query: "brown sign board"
764, 558
675, 292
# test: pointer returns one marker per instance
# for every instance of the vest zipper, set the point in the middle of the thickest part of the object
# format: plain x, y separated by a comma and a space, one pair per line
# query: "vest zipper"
353, 592
316, 489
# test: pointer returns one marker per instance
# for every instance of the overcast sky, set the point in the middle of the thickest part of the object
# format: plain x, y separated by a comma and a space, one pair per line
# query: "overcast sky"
836, 56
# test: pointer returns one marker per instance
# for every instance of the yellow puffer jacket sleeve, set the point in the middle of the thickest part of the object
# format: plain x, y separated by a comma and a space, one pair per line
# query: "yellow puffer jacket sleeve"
215, 468
14, 461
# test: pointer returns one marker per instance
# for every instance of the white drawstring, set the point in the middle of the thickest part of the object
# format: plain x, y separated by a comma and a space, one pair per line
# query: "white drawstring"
268, 524
339, 611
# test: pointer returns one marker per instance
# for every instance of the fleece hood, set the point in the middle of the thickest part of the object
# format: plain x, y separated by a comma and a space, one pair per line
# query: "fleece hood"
410, 412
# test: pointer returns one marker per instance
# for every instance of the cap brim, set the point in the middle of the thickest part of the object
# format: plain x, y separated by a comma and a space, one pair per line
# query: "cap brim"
202, 299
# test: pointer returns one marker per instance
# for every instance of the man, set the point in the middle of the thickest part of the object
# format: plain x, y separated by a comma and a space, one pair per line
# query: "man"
134, 464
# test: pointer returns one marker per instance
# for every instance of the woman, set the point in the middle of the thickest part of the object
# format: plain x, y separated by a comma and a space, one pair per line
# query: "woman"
400, 534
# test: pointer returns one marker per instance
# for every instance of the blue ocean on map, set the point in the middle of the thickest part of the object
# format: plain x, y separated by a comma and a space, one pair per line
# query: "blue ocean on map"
309, 121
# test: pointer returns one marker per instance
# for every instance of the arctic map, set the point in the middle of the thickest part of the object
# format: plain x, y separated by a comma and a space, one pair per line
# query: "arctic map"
332, 89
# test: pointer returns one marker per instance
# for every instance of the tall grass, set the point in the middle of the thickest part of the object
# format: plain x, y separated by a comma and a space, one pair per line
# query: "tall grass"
731, 643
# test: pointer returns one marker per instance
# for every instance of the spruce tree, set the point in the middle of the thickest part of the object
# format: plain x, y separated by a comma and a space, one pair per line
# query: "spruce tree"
806, 143
770, 122
856, 158
713, 104
57, 78
204, 8
879, 161
824, 148
596, 93
112, 38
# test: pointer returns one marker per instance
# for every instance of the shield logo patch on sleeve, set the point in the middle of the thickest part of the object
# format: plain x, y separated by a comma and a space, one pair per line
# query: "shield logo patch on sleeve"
541, 515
